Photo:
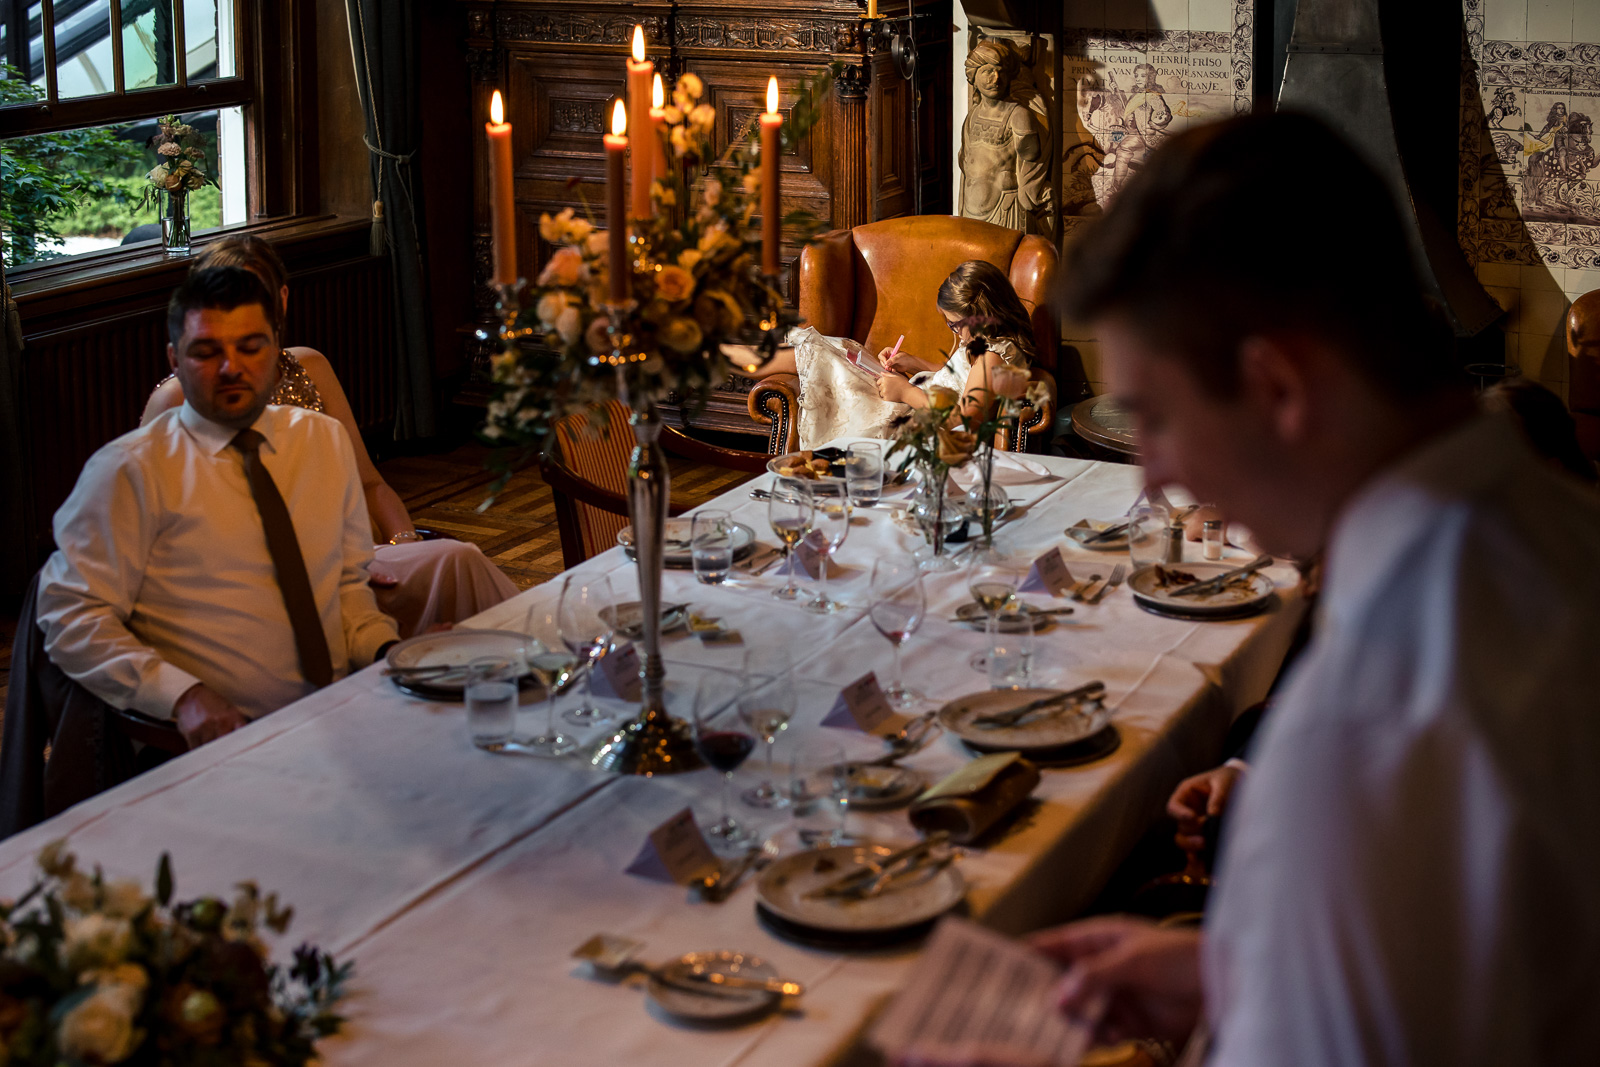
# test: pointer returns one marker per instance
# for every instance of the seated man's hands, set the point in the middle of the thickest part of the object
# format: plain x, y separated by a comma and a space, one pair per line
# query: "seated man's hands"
1200, 797
203, 715
1141, 980
381, 579
903, 363
895, 389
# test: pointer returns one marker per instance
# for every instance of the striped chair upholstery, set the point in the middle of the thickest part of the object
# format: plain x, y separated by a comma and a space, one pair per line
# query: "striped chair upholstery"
598, 451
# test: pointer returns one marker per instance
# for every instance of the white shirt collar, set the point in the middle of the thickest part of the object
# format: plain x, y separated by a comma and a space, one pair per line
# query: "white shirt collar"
214, 437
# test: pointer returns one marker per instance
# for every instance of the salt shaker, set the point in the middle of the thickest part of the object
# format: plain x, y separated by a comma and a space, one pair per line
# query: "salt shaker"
1211, 539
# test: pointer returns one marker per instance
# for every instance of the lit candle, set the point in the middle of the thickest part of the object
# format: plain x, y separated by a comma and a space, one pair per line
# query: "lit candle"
640, 70
616, 203
771, 213
658, 127
502, 200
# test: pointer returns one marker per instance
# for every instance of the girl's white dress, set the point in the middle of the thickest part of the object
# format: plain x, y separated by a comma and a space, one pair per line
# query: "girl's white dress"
839, 399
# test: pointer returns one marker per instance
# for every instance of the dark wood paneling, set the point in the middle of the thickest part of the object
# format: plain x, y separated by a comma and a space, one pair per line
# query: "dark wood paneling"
343, 312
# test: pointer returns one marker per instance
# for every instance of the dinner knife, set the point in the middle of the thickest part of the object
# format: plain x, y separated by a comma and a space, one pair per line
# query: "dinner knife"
1211, 585
847, 883
1013, 715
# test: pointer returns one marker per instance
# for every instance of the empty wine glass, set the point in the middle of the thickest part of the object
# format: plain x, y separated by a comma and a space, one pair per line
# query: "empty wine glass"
830, 524
789, 514
585, 616
898, 604
553, 665
766, 704
723, 745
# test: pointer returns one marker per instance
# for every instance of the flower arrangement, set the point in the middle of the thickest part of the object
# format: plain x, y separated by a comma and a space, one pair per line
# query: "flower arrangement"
696, 286
183, 160
100, 972
948, 433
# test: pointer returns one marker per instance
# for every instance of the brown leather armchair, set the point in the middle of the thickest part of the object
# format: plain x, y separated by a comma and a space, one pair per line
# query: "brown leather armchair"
878, 281
1583, 370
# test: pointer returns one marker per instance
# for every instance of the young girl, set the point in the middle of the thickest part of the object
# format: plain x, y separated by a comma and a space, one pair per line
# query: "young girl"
838, 399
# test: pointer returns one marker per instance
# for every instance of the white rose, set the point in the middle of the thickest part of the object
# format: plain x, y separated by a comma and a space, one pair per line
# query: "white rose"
77, 892
550, 307
124, 899
100, 1029
598, 243
170, 149
569, 324
713, 191
97, 940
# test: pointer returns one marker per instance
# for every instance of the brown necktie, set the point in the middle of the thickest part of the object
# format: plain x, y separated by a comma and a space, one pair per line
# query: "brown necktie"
284, 548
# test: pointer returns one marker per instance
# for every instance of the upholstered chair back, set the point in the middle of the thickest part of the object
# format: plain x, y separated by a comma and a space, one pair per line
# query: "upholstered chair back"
1583, 370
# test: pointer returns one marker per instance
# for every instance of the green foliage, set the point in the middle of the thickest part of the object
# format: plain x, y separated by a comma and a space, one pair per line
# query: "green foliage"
49, 175
115, 217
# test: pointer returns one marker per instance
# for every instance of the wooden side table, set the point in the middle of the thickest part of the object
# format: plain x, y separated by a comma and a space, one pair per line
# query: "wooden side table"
1101, 422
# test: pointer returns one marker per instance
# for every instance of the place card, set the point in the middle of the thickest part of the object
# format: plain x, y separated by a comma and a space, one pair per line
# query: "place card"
617, 674
676, 851
864, 706
806, 558
1049, 574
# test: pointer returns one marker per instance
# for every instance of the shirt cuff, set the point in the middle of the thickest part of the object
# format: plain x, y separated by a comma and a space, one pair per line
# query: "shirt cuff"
160, 690
1238, 764
372, 636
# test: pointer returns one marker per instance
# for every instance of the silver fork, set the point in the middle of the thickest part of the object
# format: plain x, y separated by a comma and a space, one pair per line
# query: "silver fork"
1117, 574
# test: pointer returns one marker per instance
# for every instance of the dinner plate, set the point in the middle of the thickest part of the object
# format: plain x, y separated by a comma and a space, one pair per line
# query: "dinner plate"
676, 544
627, 618
1083, 530
874, 788
892, 479
1074, 722
455, 648
973, 614
923, 896
715, 1004
1149, 584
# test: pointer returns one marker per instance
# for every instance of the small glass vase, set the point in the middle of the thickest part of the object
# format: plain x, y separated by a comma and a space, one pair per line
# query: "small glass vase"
937, 517
175, 223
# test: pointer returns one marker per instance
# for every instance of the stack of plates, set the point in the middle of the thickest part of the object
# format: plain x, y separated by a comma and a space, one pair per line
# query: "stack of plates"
905, 910
676, 546
1238, 601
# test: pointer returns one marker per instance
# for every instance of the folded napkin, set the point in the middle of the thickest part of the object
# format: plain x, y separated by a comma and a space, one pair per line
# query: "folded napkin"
976, 797
1008, 470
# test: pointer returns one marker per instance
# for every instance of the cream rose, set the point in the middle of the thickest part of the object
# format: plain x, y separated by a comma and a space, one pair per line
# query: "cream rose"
100, 1029
170, 149
688, 258
596, 242
123, 899
97, 940
689, 87
956, 446
941, 398
550, 307
712, 191
1008, 382
563, 267
682, 334
674, 284
703, 117
77, 892
569, 324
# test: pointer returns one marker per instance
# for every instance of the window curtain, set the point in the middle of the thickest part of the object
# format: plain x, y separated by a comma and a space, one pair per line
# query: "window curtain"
16, 514
383, 39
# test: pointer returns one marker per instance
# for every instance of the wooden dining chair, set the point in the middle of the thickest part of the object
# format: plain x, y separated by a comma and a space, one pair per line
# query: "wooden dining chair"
588, 474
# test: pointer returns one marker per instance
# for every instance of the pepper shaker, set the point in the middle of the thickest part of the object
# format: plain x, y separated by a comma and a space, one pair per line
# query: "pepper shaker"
1174, 552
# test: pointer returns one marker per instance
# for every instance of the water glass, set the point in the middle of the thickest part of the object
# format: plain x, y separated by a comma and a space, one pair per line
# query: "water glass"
491, 695
1010, 650
1147, 535
819, 814
863, 472
711, 546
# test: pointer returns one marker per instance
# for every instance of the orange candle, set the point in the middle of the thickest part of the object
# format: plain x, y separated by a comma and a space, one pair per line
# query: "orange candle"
616, 203
658, 127
502, 199
640, 70
771, 212
872, 9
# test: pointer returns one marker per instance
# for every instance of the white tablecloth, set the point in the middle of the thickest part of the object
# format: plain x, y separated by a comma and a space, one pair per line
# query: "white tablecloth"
462, 881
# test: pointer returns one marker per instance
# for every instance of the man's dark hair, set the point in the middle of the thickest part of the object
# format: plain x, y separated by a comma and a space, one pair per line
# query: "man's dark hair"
1259, 225
222, 288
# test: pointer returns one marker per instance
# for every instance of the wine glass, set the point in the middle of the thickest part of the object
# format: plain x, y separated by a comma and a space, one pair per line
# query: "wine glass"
992, 578
553, 665
830, 524
789, 513
766, 704
585, 617
723, 745
898, 604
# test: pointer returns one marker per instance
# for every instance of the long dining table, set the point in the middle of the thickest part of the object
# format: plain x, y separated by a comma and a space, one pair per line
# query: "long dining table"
461, 881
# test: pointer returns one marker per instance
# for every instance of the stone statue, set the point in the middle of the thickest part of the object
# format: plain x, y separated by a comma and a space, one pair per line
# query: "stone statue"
1005, 168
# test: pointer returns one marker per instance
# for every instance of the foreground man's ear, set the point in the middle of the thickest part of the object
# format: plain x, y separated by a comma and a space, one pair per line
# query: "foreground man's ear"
1272, 378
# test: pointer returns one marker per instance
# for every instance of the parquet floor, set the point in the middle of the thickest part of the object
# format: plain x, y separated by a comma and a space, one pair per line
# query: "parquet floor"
518, 531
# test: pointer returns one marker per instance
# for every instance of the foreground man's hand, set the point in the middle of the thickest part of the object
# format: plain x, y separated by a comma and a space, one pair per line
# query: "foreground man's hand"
1147, 978
202, 715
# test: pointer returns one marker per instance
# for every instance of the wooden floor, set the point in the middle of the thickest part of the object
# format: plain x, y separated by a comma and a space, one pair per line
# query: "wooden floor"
518, 531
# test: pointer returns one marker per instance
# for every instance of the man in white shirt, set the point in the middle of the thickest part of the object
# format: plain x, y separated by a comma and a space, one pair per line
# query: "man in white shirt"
1411, 871
212, 565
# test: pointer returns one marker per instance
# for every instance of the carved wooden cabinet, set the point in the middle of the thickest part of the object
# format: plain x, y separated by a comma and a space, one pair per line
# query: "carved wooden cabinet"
558, 63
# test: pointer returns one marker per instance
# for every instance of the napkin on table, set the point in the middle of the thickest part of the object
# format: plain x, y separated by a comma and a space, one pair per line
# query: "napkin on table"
976, 797
1008, 470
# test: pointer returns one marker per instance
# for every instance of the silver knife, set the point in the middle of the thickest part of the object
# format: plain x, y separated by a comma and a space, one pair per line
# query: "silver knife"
1014, 715
1211, 585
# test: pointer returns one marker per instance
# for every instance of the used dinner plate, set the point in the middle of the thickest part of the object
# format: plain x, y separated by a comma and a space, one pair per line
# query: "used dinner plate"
873, 787
1082, 531
627, 618
918, 898
891, 478
1150, 586
1049, 728
973, 614
676, 545
716, 1004
454, 648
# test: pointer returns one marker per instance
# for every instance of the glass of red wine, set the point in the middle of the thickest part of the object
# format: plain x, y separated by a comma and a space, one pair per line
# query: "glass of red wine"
724, 742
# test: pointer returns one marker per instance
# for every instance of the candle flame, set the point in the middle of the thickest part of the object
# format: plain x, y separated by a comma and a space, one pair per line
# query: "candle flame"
619, 120
497, 109
638, 44
772, 95
658, 94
